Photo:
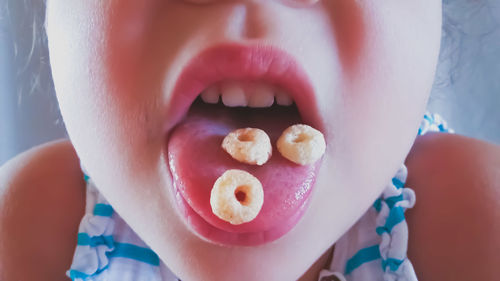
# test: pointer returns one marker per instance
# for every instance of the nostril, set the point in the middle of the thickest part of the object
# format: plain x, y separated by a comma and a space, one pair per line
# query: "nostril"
308, 1
303, 2
198, 1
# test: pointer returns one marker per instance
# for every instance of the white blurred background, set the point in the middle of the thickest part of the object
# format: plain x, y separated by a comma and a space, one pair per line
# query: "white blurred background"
466, 92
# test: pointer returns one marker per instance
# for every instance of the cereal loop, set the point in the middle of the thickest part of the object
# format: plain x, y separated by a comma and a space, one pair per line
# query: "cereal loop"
248, 145
301, 144
237, 197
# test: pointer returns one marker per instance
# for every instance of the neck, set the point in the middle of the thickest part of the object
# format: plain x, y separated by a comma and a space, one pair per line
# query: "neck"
322, 262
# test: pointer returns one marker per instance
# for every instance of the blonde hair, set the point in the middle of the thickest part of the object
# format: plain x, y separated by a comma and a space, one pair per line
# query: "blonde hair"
24, 21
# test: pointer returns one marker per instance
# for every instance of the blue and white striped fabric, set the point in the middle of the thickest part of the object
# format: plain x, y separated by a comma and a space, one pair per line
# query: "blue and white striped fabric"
108, 249
375, 247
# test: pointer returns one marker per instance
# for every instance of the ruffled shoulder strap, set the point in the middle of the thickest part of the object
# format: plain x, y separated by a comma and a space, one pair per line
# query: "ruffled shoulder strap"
433, 122
108, 249
375, 247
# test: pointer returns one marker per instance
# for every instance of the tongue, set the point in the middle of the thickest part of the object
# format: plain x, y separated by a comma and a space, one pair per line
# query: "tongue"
196, 160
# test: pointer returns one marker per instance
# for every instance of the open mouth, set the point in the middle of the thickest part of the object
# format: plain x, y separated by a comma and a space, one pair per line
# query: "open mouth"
225, 88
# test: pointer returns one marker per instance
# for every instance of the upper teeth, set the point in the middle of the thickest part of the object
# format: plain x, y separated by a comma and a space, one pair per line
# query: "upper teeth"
211, 94
252, 94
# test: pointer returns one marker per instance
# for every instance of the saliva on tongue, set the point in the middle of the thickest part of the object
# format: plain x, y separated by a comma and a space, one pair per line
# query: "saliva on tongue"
196, 160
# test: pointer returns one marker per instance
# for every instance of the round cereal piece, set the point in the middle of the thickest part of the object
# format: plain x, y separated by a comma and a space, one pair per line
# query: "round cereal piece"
301, 144
248, 145
237, 197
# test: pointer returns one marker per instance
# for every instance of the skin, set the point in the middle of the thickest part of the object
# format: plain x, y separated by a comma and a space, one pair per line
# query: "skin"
115, 64
42, 201
453, 176
455, 224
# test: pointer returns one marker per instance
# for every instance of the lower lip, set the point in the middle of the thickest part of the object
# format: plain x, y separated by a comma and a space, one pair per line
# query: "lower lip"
261, 62
219, 236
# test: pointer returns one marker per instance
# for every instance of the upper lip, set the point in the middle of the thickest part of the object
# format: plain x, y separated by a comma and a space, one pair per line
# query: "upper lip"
234, 61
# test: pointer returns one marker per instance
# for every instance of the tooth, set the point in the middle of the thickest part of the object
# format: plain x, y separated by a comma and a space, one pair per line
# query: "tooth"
261, 96
233, 94
283, 98
210, 95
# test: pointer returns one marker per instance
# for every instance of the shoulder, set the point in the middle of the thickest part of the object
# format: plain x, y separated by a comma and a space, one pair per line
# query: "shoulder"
42, 199
455, 224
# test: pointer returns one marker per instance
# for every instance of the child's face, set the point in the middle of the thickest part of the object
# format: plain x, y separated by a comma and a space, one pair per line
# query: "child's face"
115, 63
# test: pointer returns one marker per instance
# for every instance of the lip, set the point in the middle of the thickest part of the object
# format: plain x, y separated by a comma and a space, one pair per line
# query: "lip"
233, 61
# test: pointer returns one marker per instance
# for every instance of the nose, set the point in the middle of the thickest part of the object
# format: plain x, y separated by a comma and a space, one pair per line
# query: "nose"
301, 2
308, 2
256, 19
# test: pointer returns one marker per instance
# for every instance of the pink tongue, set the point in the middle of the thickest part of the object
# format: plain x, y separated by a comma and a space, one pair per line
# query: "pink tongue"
196, 161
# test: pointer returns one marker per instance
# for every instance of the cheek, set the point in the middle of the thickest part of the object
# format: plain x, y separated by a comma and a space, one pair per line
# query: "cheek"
126, 47
385, 79
386, 90
349, 27
101, 118
397, 66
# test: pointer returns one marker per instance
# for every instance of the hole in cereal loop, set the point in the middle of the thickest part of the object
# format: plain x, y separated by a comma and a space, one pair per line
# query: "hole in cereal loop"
301, 138
246, 137
248, 145
241, 195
